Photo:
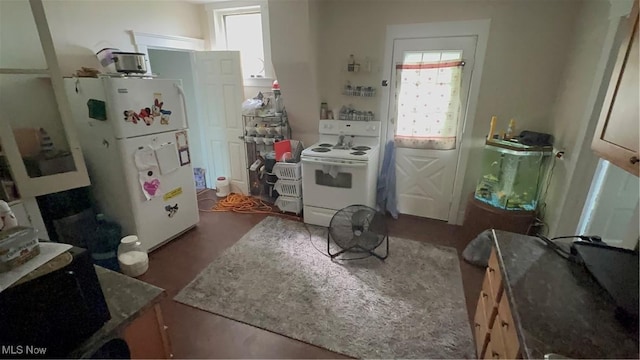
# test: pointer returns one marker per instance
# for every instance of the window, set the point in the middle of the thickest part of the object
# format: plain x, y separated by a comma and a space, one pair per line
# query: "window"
428, 99
244, 32
243, 26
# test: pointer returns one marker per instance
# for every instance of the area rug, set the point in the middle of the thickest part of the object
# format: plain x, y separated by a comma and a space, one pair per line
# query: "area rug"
276, 278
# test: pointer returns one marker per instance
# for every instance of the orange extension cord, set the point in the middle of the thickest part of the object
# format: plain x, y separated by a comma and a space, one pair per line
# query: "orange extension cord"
243, 204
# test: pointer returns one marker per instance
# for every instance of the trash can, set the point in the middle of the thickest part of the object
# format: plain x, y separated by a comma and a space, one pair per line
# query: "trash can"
76, 229
103, 245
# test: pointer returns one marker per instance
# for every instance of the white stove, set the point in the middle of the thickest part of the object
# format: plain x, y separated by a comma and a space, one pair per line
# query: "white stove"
341, 169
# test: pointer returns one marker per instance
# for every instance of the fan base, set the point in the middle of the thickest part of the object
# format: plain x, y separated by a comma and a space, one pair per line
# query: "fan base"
359, 249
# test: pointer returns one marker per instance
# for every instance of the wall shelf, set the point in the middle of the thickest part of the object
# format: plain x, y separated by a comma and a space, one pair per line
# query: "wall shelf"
14, 202
365, 93
24, 71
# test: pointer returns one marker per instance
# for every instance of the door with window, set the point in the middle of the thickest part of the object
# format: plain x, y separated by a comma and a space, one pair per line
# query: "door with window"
427, 107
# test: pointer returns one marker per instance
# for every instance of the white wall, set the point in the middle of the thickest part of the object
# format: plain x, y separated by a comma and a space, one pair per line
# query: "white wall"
294, 60
576, 112
80, 28
526, 50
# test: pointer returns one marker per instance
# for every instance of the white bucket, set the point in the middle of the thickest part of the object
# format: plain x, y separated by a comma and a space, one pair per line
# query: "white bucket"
133, 260
222, 186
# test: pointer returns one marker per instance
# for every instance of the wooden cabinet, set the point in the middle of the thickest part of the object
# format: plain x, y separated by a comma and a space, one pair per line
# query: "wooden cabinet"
616, 138
479, 216
147, 336
494, 329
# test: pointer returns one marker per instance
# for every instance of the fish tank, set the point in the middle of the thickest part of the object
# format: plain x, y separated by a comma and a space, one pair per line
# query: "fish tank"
512, 174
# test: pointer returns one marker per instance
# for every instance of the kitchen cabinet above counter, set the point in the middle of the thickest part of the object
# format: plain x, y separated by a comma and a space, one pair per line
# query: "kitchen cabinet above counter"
555, 306
616, 136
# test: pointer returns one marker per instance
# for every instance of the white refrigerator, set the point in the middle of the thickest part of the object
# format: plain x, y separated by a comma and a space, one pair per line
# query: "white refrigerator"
134, 138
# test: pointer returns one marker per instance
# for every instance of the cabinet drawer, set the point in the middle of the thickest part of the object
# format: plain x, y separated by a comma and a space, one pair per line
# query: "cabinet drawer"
480, 328
511, 343
147, 336
490, 307
498, 350
489, 352
495, 278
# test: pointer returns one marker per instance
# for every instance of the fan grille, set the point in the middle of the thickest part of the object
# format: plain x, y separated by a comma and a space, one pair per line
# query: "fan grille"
358, 227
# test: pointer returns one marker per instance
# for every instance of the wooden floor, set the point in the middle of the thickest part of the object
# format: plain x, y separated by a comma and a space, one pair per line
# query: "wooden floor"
198, 334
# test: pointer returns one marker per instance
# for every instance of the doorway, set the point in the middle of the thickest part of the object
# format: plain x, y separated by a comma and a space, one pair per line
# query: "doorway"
212, 82
430, 84
611, 209
470, 38
177, 64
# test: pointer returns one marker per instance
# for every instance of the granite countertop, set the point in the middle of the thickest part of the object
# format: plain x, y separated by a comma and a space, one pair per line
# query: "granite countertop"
557, 306
126, 298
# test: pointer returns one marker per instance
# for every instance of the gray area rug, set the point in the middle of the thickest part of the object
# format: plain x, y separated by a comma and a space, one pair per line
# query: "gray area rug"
410, 306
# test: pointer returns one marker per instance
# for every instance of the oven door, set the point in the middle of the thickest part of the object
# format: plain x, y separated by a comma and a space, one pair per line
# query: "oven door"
334, 183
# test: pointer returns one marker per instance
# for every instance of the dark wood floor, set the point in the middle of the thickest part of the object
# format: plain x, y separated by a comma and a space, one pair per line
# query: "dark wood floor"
198, 334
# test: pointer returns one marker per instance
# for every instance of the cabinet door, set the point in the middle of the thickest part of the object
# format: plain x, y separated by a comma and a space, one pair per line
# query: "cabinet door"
36, 131
147, 336
616, 137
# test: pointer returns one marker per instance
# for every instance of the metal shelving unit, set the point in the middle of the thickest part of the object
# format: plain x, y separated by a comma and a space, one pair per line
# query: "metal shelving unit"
275, 128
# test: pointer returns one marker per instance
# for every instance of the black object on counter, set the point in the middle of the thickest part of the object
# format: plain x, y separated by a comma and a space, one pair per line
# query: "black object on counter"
56, 311
557, 306
532, 138
617, 270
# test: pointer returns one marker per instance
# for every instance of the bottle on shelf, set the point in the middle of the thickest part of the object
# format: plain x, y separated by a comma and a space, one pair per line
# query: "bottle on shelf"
352, 63
323, 110
492, 127
277, 98
510, 130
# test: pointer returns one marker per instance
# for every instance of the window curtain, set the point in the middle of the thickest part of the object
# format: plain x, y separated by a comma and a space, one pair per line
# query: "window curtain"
427, 102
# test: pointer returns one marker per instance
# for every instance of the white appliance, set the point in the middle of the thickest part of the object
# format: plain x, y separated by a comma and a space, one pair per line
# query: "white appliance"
341, 169
133, 134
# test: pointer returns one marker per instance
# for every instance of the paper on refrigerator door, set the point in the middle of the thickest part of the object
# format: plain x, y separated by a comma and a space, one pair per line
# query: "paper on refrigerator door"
167, 156
148, 171
145, 158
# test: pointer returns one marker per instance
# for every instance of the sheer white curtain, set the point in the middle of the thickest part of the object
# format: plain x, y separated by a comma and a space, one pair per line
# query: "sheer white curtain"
428, 104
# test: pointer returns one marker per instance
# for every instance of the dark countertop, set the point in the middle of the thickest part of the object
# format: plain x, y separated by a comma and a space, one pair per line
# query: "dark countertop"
557, 306
126, 298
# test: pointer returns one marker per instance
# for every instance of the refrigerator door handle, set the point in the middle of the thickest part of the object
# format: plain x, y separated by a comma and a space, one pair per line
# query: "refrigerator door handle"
184, 102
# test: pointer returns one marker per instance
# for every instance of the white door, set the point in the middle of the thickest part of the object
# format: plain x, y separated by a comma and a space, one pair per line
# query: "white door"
426, 172
220, 88
611, 210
